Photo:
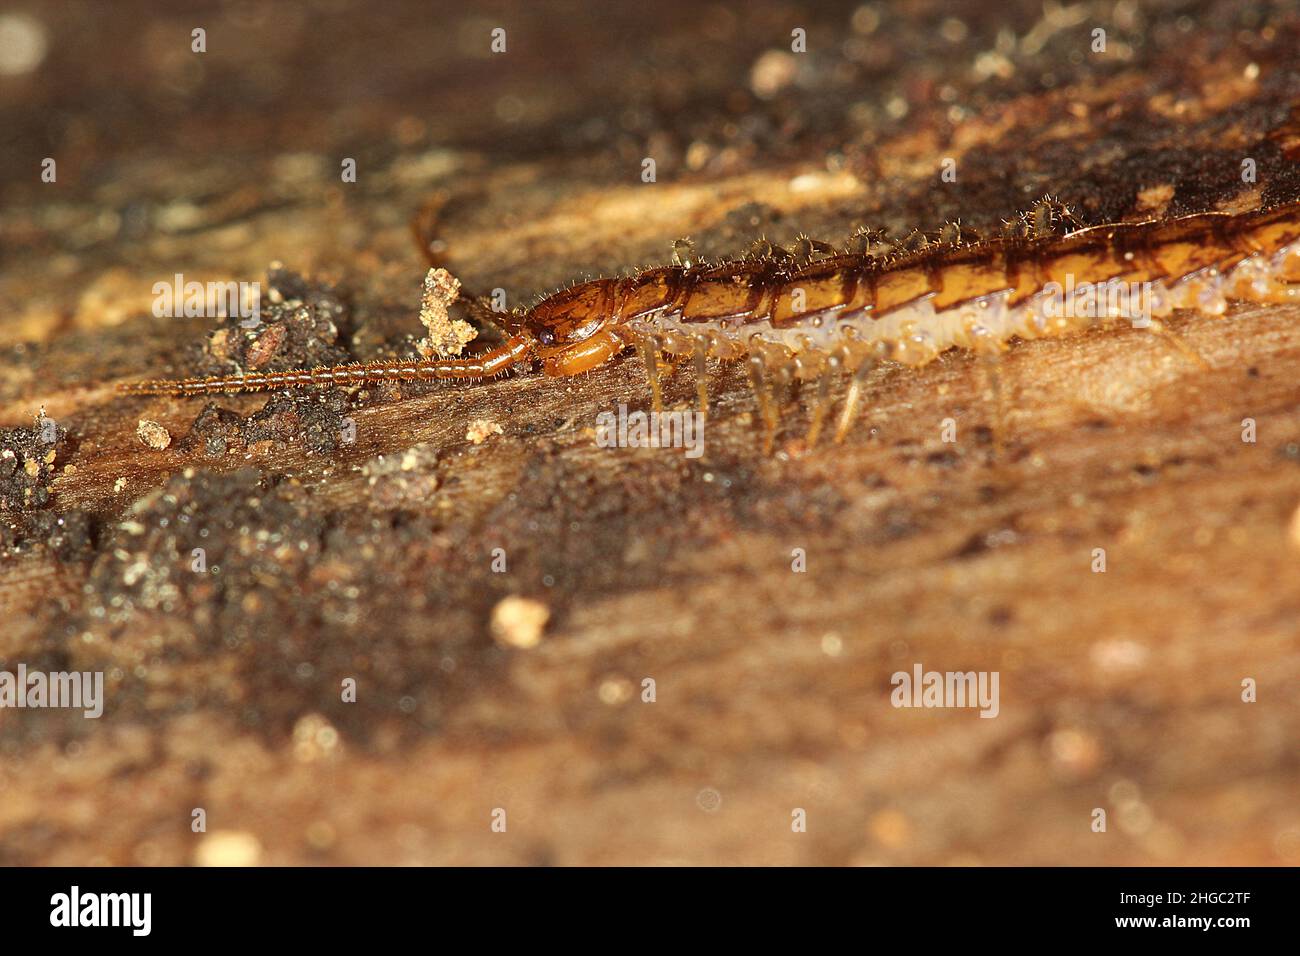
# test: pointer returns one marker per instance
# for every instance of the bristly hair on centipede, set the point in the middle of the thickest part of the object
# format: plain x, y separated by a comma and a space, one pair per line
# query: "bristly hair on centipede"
815, 312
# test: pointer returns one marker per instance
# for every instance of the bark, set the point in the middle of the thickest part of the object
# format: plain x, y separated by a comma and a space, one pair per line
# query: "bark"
353, 534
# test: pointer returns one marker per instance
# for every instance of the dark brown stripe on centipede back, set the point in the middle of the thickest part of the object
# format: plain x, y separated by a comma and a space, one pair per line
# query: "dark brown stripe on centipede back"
1238, 234
815, 289
866, 275
969, 273
1271, 229
901, 284
578, 303
1243, 232
1278, 227
650, 291
764, 288
936, 264
1005, 261
1184, 246
1221, 228
1085, 256
858, 293
1139, 239
724, 292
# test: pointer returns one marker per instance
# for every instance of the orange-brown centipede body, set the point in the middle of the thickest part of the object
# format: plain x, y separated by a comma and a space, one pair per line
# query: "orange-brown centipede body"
822, 311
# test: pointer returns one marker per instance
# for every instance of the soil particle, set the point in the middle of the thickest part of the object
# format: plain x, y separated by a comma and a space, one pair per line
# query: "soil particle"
316, 418
300, 324
68, 536
28, 457
240, 566
153, 435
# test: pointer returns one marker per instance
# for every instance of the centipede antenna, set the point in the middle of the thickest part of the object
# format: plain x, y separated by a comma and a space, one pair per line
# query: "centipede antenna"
483, 366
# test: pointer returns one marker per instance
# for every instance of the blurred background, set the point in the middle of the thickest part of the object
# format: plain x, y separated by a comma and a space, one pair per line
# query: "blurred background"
1120, 691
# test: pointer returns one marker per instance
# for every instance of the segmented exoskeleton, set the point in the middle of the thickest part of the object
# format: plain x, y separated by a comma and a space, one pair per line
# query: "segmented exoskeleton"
816, 312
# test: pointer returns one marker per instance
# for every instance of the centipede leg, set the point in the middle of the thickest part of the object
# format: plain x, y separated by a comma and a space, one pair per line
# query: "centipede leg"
758, 378
701, 355
823, 402
1177, 342
783, 384
649, 349
856, 386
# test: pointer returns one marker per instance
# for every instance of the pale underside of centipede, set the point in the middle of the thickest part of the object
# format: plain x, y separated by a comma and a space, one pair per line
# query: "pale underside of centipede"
821, 312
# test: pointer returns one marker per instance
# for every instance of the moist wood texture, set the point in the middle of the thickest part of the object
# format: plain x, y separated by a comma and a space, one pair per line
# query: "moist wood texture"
372, 559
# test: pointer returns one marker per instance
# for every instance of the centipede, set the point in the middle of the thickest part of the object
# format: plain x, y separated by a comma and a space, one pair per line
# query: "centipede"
819, 314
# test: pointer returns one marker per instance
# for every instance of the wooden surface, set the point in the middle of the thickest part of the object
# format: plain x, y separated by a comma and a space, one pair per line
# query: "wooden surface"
373, 559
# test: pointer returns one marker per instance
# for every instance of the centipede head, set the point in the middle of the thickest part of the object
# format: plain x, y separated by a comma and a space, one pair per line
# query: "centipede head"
570, 328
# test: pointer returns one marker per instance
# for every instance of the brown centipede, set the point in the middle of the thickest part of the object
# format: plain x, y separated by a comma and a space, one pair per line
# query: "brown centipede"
817, 312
